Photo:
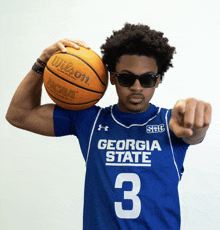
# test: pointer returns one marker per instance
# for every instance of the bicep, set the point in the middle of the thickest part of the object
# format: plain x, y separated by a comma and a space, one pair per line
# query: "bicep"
40, 120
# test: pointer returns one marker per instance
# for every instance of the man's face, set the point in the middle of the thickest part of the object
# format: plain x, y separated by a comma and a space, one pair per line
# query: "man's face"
134, 99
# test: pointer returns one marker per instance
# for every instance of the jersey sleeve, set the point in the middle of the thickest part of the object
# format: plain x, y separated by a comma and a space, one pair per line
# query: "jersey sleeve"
78, 123
67, 122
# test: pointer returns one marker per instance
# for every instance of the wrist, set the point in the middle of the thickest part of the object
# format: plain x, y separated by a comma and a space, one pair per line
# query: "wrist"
44, 58
37, 63
40, 63
39, 66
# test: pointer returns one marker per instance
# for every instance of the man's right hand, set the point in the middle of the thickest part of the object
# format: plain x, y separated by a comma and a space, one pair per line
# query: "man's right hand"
60, 45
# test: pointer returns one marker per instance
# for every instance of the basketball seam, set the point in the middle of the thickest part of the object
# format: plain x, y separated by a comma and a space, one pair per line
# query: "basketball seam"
70, 103
86, 64
72, 82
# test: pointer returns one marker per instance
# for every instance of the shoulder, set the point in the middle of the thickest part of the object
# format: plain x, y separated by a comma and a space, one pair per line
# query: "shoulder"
68, 122
162, 113
60, 112
107, 110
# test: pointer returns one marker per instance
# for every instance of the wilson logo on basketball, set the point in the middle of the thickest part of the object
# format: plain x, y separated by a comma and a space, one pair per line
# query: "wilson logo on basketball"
67, 67
55, 87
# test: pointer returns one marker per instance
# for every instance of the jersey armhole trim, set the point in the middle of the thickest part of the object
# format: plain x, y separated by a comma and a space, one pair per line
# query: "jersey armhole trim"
90, 139
171, 145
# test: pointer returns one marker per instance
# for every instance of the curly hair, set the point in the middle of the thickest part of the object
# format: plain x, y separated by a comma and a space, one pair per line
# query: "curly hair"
138, 40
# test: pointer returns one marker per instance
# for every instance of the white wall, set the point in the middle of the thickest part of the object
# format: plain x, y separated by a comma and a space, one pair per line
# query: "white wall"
41, 178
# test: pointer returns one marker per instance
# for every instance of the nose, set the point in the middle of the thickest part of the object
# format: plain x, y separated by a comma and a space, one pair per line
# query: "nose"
136, 86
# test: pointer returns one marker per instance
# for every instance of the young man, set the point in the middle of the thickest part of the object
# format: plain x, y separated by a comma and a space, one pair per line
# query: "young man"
134, 151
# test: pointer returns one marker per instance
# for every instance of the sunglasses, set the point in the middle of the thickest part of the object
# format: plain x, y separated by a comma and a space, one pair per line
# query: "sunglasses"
147, 80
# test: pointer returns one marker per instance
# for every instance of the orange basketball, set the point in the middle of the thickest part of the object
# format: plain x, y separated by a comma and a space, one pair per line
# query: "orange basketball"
75, 80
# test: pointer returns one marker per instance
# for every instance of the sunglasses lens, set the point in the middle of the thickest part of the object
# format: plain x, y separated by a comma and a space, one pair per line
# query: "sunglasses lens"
126, 80
146, 80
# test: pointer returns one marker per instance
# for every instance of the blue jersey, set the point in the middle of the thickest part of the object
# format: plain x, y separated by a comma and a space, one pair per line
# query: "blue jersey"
134, 164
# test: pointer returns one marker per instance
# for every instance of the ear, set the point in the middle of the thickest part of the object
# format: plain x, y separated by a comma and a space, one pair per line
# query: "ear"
113, 79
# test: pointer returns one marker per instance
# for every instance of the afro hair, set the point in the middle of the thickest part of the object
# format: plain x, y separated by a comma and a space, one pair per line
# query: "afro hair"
138, 40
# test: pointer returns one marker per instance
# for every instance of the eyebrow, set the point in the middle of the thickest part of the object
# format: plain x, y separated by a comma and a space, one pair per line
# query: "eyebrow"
127, 71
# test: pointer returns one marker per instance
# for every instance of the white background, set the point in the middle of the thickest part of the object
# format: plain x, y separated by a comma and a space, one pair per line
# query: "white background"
42, 178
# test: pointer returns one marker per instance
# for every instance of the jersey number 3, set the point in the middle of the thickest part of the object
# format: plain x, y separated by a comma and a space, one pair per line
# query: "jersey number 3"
131, 195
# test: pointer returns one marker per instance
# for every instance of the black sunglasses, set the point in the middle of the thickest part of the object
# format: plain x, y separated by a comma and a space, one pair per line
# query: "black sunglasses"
147, 80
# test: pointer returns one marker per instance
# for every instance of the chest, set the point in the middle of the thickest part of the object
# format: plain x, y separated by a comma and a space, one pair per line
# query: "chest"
140, 145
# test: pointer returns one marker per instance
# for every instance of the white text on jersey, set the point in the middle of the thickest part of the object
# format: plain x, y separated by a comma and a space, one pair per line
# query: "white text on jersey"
155, 128
128, 152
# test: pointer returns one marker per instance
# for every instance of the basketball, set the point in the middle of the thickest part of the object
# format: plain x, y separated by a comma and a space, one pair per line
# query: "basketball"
76, 79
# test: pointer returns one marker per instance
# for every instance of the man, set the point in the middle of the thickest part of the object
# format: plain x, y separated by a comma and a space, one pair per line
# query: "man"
134, 151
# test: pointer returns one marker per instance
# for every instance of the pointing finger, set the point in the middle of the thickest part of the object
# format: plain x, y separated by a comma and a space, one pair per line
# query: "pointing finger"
178, 111
179, 130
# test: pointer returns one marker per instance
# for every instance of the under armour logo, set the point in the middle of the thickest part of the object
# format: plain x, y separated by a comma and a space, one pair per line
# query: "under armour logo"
103, 127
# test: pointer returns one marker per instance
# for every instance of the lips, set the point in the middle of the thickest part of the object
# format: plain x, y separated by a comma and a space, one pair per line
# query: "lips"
136, 98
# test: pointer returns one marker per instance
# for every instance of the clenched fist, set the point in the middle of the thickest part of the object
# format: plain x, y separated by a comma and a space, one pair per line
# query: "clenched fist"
190, 120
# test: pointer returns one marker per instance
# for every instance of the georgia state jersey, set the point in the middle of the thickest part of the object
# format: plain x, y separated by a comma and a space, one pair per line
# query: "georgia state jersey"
134, 164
